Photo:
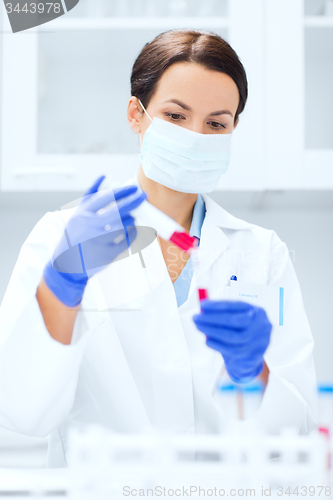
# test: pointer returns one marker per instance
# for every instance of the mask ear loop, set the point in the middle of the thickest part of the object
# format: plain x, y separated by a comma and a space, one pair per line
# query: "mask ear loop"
144, 109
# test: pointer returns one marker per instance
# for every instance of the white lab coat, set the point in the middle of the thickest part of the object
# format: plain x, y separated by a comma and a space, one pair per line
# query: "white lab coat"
136, 360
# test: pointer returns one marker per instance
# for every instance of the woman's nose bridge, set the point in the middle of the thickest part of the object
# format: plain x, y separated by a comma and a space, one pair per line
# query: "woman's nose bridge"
198, 125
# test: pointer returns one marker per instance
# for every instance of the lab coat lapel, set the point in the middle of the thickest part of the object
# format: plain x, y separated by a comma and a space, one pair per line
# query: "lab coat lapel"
170, 369
151, 335
215, 246
213, 241
222, 218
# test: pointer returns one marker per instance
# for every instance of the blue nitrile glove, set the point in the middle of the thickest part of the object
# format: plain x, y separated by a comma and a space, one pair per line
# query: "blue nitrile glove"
92, 240
239, 331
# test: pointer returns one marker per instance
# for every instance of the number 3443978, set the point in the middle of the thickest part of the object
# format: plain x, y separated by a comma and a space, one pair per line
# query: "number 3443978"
34, 8
305, 491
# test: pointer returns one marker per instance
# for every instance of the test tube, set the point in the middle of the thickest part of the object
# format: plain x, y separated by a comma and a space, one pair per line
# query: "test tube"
201, 284
168, 229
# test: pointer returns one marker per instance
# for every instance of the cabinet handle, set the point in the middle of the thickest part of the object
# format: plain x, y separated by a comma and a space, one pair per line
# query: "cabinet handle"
26, 172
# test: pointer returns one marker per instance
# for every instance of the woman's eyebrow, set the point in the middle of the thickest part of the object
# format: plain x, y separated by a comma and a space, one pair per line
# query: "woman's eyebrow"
181, 104
222, 112
184, 106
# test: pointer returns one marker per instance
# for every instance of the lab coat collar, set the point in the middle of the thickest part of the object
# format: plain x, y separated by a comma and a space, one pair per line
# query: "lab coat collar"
214, 241
222, 218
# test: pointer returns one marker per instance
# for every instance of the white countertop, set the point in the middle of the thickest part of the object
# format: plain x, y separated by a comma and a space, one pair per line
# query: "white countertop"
31, 483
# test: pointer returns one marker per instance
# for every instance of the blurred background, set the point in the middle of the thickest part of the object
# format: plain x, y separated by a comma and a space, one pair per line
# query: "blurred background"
64, 89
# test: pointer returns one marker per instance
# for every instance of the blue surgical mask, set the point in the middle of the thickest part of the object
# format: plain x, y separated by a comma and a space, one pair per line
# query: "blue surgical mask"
181, 159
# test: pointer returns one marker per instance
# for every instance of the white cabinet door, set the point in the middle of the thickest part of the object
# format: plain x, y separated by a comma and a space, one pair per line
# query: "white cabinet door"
299, 61
285, 94
64, 108
318, 76
66, 88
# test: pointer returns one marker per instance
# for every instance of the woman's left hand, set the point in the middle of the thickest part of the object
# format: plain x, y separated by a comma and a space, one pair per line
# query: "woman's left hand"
240, 331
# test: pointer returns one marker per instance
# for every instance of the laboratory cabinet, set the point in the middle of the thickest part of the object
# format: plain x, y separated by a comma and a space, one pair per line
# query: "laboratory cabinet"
65, 88
299, 100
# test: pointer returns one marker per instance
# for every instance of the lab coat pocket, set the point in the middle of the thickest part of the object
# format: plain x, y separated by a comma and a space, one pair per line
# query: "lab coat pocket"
270, 298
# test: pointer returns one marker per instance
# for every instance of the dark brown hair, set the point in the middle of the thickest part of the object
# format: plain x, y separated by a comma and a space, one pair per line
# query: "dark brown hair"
201, 47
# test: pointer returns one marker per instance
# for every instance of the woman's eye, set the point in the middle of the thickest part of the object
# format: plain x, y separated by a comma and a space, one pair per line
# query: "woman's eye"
217, 125
174, 116
177, 117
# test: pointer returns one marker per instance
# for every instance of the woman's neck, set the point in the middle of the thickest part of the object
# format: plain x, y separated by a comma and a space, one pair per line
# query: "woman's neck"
178, 206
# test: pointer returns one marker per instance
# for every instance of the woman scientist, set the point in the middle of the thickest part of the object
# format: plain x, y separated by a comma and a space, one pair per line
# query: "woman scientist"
126, 345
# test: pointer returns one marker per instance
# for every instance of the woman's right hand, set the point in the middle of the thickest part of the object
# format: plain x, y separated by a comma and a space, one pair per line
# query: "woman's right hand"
92, 240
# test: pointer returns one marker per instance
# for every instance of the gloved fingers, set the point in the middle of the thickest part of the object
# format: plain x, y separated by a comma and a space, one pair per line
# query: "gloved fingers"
95, 186
240, 344
245, 366
262, 317
103, 198
237, 347
241, 369
116, 213
128, 221
131, 232
208, 305
99, 232
103, 249
228, 319
232, 333
226, 338
214, 345
121, 192
243, 376
258, 330
69, 261
244, 344
130, 204
110, 222
246, 356
128, 236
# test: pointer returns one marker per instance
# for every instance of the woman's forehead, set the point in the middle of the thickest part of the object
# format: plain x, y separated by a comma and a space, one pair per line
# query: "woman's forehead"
194, 84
